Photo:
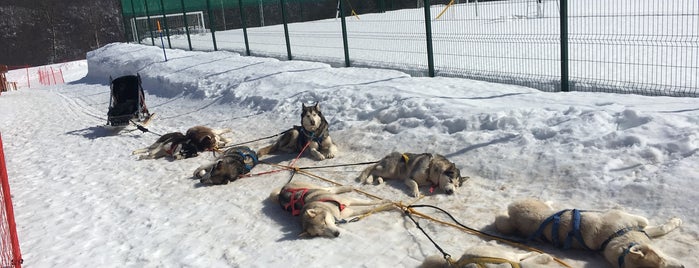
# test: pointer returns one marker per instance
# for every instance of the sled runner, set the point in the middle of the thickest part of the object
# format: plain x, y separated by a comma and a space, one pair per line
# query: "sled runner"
126, 101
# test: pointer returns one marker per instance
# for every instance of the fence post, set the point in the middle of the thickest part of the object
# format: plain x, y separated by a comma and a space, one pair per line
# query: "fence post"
186, 25
150, 27
9, 211
243, 21
344, 33
565, 83
167, 29
123, 20
286, 29
428, 35
135, 27
211, 23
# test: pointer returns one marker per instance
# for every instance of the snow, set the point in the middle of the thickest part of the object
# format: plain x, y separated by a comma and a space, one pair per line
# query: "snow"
82, 200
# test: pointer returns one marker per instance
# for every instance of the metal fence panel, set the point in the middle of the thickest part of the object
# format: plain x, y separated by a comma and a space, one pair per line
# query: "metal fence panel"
646, 47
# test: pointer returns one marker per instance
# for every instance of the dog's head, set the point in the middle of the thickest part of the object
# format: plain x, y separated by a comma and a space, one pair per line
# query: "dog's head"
318, 222
221, 172
311, 117
449, 176
203, 138
644, 255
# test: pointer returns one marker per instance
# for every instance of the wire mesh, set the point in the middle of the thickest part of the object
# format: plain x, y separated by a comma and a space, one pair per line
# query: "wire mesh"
648, 47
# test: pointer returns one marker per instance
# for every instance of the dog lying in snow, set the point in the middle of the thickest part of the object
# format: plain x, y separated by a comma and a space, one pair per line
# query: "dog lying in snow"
181, 146
416, 170
491, 255
228, 167
206, 138
175, 145
624, 239
313, 130
320, 207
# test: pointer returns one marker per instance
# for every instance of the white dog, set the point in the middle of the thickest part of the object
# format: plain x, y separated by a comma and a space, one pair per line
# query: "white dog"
624, 239
320, 207
491, 255
175, 145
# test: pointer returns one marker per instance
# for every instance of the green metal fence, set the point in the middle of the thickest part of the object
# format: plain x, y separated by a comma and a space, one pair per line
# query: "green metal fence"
648, 47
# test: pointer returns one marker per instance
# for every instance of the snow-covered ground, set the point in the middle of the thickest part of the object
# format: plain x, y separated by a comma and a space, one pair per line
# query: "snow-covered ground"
82, 200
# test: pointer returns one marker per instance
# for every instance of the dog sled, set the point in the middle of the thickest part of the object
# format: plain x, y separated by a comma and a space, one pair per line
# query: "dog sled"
126, 101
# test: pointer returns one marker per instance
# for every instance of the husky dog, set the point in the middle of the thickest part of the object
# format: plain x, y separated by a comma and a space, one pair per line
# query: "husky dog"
229, 166
492, 255
174, 144
206, 138
312, 131
416, 169
624, 239
321, 207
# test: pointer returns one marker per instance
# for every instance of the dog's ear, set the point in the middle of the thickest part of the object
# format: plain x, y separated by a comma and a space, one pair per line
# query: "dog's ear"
317, 106
303, 106
463, 179
311, 213
639, 250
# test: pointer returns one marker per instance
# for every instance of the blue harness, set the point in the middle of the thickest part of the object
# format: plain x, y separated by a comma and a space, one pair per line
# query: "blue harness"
307, 136
249, 157
555, 221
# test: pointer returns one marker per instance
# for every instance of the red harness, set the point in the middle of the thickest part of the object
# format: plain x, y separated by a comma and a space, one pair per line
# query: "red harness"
292, 200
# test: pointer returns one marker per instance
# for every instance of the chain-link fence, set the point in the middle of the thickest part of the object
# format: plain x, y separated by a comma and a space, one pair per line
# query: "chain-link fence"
648, 47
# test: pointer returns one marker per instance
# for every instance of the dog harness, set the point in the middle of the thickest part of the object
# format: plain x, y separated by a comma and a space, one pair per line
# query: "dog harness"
291, 200
249, 157
482, 261
620, 233
627, 250
555, 221
308, 136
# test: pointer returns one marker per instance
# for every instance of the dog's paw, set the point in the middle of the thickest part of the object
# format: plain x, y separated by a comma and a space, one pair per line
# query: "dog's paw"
417, 194
317, 155
676, 222
329, 155
200, 174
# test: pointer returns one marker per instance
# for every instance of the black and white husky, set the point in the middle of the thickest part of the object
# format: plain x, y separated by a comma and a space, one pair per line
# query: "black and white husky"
313, 132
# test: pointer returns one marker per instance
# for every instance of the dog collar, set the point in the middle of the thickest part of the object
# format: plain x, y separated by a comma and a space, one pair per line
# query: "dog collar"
620, 233
627, 250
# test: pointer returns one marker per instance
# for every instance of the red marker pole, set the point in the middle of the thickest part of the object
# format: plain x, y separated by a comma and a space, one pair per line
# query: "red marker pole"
162, 43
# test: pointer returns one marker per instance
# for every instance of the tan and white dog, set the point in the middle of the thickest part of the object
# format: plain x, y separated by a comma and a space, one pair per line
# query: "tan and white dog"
313, 132
321, 208
491, 255
417, 170
175, 145
624, 239
206, 138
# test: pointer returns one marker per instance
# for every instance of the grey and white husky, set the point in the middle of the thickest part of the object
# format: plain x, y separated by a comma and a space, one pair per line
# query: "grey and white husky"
321, 207
312, 131
417, 170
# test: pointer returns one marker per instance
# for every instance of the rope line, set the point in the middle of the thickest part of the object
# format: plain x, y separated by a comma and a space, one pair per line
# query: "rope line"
264, 138
467, 229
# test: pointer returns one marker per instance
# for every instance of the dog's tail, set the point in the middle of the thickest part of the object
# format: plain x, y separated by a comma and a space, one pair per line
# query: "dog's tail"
267, 150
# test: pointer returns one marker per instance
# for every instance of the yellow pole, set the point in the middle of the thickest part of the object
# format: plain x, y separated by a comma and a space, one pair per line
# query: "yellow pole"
445, 9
